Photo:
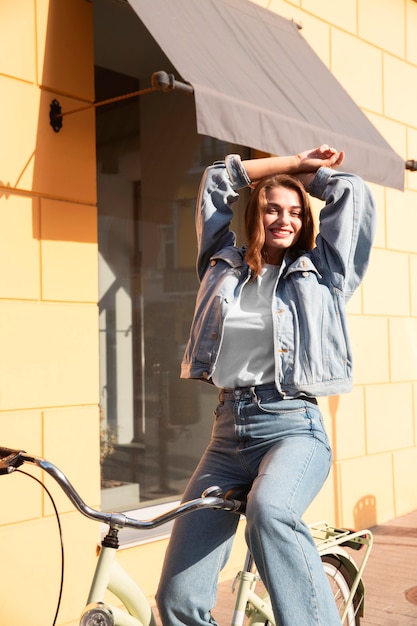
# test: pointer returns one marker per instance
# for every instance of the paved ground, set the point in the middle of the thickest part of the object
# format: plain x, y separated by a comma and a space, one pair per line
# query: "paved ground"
390, 577
391, 574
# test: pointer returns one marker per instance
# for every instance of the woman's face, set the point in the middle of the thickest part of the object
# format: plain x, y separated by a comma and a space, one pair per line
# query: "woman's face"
282, 221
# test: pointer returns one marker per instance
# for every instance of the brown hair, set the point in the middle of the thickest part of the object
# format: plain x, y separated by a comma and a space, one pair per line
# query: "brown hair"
254, 213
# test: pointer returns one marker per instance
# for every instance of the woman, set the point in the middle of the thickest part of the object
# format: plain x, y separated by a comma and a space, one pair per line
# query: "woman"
270, 331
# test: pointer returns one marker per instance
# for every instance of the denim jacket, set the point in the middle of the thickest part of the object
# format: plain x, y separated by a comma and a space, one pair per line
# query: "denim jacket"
312, 350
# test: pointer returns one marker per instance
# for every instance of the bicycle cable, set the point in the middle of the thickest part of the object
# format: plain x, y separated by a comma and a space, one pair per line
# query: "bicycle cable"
61, 586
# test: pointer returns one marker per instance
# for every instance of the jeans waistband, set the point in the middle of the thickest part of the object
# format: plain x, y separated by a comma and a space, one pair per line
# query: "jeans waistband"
238, 392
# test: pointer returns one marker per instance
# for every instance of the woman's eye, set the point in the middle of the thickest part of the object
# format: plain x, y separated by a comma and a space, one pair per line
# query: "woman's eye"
276, 211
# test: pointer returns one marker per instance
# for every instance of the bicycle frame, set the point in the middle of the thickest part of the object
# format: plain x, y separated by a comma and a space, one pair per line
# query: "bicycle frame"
110, 576
245, 582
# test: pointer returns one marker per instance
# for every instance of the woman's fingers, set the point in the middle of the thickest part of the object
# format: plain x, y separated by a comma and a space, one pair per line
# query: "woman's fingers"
338, 159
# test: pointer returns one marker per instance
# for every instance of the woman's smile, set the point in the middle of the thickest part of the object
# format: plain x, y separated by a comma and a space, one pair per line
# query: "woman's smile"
282, 221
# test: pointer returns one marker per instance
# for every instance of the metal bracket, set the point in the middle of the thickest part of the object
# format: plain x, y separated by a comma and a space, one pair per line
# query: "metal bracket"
55, 116
411, 165
160, 81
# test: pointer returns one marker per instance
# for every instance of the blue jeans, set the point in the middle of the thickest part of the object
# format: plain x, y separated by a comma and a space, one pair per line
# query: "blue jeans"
280, 449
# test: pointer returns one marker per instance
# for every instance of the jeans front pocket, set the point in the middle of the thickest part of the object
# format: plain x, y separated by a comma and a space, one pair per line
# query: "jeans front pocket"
275, 404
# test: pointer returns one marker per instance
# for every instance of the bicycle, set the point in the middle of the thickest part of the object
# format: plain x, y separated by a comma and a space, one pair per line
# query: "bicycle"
335, 545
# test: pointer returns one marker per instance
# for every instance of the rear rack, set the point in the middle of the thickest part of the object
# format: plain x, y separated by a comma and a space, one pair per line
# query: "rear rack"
327, 536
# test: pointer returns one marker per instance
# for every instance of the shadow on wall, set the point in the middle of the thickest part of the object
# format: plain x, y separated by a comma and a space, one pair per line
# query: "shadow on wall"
364, 512
333, 407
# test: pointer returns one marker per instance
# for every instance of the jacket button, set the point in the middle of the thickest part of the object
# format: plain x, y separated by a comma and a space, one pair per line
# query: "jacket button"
305, 274
205, 375
213, 262
214, 335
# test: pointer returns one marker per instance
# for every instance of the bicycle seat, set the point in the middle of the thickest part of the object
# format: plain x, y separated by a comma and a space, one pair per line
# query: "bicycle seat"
240, 492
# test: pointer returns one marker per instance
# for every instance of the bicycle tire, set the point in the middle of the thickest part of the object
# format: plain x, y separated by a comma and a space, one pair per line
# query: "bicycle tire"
341, 582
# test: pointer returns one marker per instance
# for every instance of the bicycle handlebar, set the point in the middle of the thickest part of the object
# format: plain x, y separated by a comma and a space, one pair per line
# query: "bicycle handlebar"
11, 460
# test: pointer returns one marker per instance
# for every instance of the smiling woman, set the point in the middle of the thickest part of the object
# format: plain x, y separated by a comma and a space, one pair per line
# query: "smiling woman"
258, 335
286, 197
282, 221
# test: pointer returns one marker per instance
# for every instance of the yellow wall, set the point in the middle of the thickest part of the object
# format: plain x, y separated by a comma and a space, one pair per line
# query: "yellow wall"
48, 301
48, 290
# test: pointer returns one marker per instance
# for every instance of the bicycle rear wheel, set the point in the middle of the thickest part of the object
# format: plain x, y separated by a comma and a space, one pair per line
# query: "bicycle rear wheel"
341, 582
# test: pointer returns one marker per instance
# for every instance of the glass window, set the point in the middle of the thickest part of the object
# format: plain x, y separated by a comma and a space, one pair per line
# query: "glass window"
149, 163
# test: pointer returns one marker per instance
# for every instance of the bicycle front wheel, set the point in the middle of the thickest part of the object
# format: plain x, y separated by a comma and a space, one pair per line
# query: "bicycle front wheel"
341, 582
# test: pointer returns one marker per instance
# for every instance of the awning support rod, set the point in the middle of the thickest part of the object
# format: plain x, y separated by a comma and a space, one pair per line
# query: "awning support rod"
160, 81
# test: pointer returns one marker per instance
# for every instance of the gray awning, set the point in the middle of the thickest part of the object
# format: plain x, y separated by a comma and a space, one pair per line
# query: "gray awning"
259, 84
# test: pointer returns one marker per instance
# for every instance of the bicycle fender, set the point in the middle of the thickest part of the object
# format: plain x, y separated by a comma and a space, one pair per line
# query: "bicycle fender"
352, 568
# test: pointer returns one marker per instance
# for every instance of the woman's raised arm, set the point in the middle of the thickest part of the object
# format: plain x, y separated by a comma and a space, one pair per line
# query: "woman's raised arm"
307, 161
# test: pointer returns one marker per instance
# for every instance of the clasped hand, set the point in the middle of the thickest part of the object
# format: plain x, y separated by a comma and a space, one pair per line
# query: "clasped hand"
323, 156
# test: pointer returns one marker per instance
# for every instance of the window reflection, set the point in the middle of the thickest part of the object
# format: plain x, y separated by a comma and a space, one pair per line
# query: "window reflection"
154, 425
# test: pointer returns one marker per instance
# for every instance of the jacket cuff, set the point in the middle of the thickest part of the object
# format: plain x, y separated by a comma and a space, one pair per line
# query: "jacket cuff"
318, 185
236, 171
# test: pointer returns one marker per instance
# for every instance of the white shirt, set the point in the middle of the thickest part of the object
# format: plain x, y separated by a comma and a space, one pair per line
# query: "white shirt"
246, 356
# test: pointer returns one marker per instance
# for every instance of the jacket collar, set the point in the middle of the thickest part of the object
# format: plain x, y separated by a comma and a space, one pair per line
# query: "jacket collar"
294, 260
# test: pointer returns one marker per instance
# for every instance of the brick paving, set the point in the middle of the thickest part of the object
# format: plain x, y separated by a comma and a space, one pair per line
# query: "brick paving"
390, 578
391, 574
